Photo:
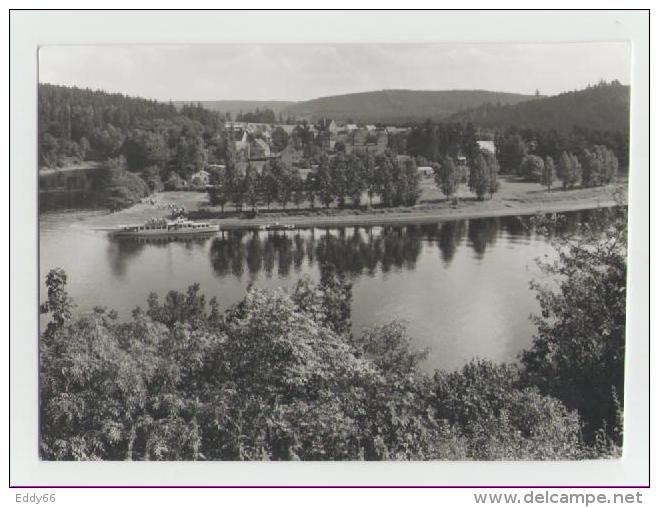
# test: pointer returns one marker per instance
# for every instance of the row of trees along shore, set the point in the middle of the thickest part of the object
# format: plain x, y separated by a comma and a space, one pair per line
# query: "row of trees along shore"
396, 183
339, 179
281, 375
595, 167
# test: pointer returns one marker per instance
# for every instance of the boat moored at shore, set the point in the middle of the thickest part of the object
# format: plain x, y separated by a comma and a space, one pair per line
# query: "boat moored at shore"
276, 226
160, 227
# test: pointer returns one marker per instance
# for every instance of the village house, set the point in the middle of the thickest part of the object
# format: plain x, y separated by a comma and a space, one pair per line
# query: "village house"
426, 171
251, 148
328, 126
393, 131
211, 167
199, 179
287, 128
241, 145
461, 161
487, 146
258, 150
290, 155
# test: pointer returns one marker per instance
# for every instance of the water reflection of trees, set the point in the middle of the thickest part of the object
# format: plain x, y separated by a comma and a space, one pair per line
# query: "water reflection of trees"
121, 251
481, 233
366, 250
352, 251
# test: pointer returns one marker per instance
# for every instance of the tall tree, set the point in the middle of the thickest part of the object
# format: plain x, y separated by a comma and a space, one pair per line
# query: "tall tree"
219, 192
324, 182
599, 166
355, 178
311, 188
339, 178
412, 178
568, 170
548, 173
447, 177
283, 176
297, 187
470, 146
492, 172
479, 177
385, 178
532, 167
250, 185
143, 149
370, 176
279, 139
268, 184
511, 150
236, 184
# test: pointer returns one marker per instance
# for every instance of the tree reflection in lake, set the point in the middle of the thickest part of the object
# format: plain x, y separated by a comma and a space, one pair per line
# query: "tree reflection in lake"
121, 251
434, 275
481, 233
361, 250
351, 250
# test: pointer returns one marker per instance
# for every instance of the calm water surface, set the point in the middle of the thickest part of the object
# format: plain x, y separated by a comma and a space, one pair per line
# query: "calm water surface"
462, 286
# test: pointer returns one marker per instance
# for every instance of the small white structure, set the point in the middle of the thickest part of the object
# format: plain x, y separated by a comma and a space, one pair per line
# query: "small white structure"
392, 131
487, 146
426, 171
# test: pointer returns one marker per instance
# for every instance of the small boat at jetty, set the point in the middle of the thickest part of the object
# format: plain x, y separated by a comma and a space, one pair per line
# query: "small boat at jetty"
276, 226
160, 227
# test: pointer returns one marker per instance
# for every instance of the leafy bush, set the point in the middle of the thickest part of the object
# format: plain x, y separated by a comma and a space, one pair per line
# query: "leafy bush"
578, 352
270, 379
119, 188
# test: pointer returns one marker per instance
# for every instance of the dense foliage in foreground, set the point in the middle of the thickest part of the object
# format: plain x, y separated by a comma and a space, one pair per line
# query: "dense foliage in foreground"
279, 376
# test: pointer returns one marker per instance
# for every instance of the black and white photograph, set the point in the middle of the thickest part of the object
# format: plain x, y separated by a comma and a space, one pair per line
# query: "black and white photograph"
333, 251
329, 249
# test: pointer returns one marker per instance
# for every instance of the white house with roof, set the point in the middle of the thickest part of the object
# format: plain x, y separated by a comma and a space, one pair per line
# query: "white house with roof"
487, 146
391, 130
287, 128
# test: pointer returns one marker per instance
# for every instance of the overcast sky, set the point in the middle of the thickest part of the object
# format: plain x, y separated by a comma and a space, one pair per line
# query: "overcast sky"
302, 72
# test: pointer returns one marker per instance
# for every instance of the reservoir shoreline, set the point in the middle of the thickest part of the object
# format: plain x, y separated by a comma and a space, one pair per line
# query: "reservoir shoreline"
514, 199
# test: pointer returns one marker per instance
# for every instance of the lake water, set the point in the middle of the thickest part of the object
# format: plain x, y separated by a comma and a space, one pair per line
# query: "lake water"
461, 286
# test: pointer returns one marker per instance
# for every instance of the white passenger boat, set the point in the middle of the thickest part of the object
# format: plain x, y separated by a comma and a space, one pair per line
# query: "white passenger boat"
160, 227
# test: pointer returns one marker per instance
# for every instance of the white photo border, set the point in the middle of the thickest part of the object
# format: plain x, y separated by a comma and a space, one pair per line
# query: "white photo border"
31, 29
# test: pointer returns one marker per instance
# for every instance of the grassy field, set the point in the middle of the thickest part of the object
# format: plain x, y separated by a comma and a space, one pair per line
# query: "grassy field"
515, 197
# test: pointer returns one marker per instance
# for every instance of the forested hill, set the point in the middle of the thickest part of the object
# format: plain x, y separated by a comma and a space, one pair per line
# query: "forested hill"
603, 107
73, 113
78, 124
395, 106
236, 107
